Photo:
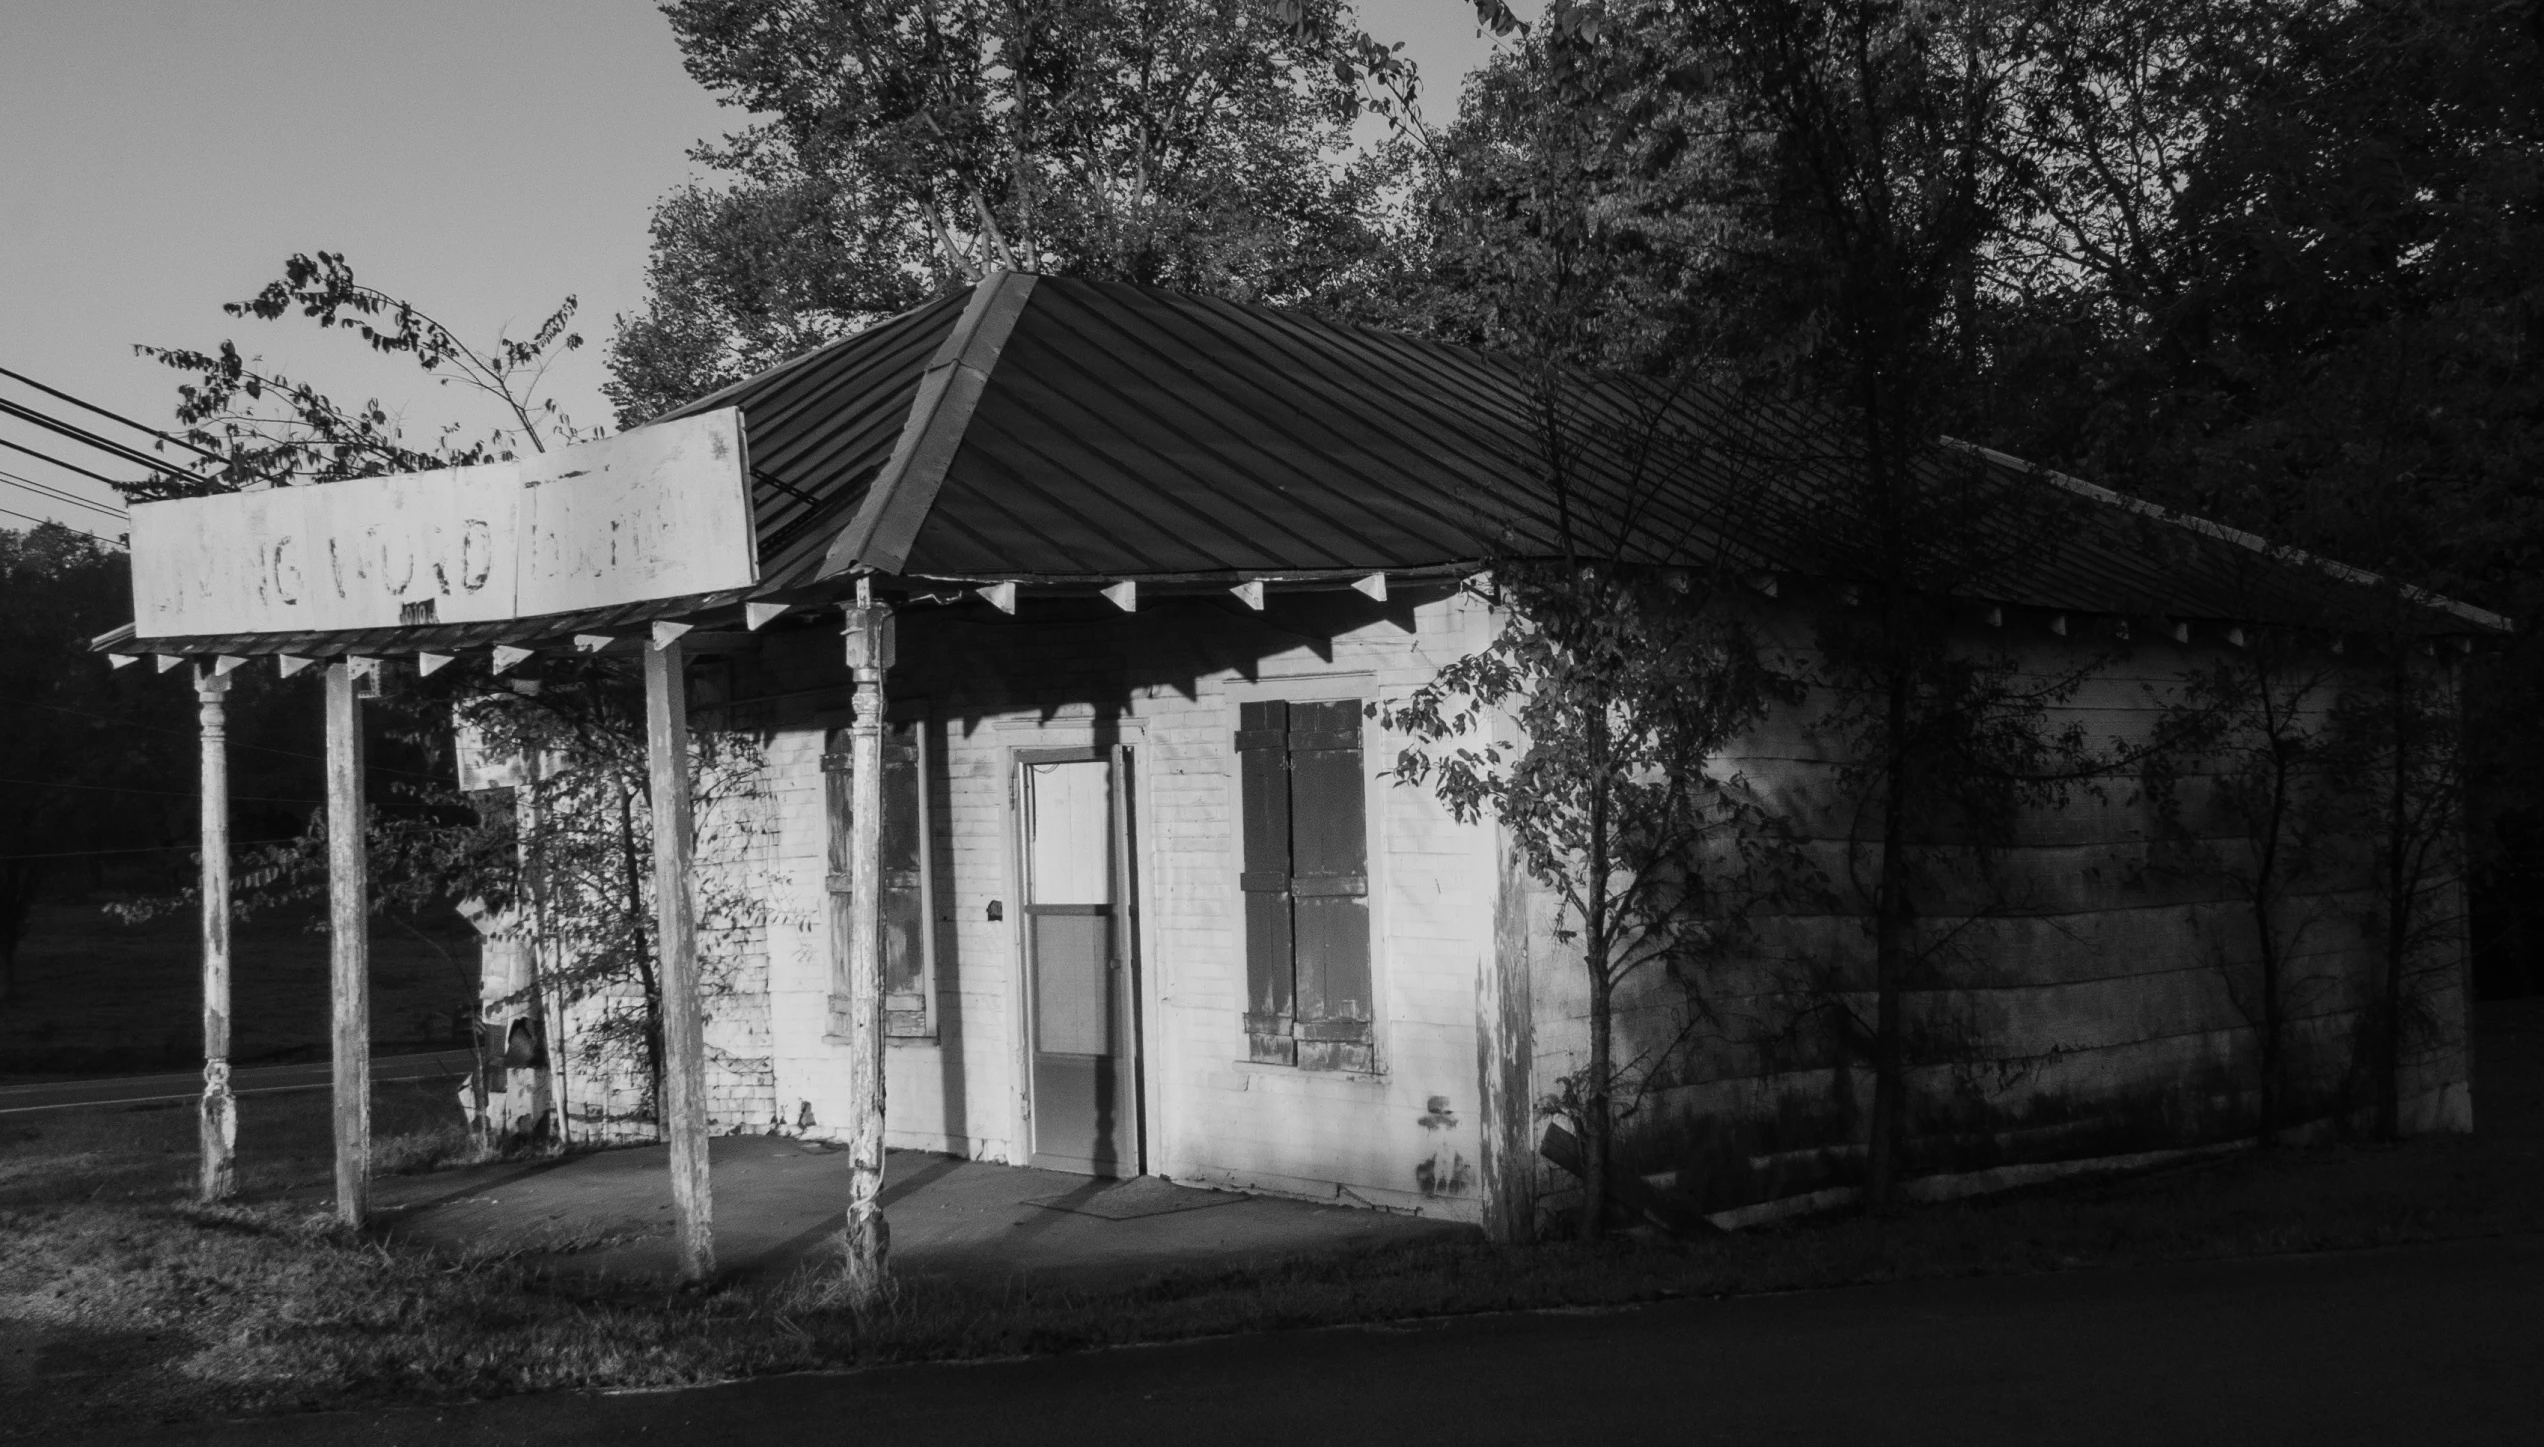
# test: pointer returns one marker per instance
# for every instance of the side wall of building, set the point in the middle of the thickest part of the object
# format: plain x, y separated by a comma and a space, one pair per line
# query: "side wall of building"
2087, 988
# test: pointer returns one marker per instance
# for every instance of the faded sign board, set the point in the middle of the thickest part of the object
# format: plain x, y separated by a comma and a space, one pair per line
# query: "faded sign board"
660, 512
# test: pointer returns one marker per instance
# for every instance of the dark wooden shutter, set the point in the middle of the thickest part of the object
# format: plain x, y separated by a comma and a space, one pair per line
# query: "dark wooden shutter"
838, 804
904, 916
904, 913
1263, 763
1329, 885
1305, 879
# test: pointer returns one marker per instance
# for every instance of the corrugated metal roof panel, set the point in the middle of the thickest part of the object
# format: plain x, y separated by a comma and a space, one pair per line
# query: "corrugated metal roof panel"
819, 426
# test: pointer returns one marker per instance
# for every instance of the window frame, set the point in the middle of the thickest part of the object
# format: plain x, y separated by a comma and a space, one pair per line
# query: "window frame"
913, 715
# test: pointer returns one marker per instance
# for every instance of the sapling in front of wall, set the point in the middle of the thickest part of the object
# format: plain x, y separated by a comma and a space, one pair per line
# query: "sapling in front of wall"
2399, 749
1623, 686
581, 831
1882, 160
1947, 745
2240, 782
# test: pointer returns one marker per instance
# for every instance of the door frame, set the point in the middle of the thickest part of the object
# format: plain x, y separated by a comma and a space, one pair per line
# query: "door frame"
1130, 898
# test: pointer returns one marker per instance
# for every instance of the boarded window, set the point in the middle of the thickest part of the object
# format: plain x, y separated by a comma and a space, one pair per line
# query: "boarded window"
907, 954
1306, 884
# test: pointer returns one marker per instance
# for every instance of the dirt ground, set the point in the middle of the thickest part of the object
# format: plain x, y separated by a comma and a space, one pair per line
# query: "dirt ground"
100, 997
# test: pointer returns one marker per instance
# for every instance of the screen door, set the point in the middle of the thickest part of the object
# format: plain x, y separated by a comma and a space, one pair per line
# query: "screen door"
1078, 961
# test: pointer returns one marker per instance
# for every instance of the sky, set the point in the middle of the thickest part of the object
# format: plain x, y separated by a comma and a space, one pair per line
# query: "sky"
482, 158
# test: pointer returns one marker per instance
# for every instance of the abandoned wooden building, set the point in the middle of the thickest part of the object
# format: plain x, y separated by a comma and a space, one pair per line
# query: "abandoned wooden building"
1125, 572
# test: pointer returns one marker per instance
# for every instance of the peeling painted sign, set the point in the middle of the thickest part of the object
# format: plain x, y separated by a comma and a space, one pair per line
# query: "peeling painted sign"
660, 512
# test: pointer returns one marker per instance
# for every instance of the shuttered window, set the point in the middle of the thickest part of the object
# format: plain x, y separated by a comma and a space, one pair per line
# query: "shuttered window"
906, 963
1305, 881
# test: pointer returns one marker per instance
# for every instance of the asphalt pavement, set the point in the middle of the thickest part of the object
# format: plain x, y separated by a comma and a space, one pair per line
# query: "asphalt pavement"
2429, 1344
260, 1080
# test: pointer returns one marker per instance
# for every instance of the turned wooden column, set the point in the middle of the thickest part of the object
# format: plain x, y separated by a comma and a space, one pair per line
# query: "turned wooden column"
219, 1130
868, 1238
684, 1104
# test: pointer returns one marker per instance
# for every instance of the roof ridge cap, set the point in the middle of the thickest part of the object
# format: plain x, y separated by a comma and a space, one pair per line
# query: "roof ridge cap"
899, 499
719, 397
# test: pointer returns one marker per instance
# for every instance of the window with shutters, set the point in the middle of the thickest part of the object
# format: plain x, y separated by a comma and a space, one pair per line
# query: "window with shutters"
909, 952
1305, 880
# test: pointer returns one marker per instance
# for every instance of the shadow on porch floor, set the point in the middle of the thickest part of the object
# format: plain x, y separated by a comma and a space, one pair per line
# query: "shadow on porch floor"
777, 1204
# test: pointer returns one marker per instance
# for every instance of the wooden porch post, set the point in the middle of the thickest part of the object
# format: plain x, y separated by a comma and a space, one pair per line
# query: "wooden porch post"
868, 1240
349, 943
219, 1131
684, 1102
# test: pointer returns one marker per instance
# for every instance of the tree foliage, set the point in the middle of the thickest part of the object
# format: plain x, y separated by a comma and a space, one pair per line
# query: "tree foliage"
1590, 729
2290, 280
901, 147
272, 430
580, 866
95, 761
2245, 783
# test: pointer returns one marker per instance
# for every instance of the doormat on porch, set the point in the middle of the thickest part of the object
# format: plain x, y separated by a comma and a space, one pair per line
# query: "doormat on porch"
1130, 1200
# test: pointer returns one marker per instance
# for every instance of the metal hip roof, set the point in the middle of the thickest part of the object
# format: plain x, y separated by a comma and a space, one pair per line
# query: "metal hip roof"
1054, 430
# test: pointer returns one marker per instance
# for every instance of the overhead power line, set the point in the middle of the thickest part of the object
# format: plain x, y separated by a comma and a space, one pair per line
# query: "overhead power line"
153, 849
57, 462
163, 793
189, 734
57, 495
106, 445
102, 412
83, 532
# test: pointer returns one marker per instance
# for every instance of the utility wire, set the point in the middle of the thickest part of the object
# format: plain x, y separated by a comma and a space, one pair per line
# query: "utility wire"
152, 849
102, 412
164, 793
57, 522
57, 462
107, 445
132, 723
57, 495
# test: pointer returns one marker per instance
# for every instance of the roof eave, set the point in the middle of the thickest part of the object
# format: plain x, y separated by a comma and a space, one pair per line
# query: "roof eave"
2482, 618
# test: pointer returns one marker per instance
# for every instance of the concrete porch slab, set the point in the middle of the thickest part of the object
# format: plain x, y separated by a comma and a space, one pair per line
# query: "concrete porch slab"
778, 1204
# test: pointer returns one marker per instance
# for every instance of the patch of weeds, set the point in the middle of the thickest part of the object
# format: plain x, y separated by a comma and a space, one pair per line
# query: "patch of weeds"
437, 1147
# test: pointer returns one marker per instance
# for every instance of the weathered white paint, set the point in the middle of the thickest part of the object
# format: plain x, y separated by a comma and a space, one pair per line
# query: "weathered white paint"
1065, 806
660, 512
218, 1178
676, 942
348, 945
871, 638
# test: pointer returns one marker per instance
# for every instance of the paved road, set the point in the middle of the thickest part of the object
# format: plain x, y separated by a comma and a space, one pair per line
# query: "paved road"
2415, 1345
263, 1080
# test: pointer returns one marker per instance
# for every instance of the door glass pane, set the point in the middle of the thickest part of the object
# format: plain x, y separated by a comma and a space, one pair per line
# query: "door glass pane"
1072, 1013
1068, 833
